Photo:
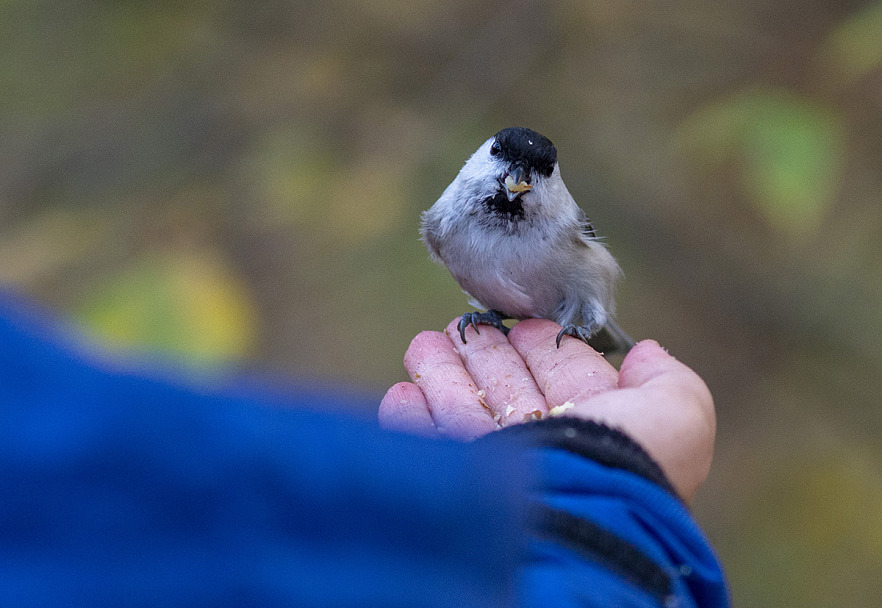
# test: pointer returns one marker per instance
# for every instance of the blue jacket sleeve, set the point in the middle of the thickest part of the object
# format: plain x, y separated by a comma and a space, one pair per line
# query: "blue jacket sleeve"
123, 489
607, 528
127, 488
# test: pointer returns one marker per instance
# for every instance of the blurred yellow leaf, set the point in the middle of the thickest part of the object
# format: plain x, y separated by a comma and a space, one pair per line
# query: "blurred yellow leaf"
187, 306
788, 151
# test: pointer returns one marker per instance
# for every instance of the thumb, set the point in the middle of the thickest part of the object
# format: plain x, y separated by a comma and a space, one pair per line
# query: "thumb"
674, 418
649, 365
645, 361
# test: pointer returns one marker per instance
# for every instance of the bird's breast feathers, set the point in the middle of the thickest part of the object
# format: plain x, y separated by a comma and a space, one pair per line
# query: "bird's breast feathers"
498, 273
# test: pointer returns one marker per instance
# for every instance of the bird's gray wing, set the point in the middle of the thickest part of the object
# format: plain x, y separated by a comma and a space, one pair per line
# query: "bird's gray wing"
429, 234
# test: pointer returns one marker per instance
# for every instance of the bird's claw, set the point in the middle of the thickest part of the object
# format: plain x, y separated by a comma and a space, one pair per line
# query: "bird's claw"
577, 331
491, 317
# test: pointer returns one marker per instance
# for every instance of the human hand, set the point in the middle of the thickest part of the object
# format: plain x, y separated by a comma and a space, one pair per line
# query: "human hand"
468, 390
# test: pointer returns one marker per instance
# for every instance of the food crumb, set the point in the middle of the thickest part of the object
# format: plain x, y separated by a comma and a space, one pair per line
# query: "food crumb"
514, 186
560, 409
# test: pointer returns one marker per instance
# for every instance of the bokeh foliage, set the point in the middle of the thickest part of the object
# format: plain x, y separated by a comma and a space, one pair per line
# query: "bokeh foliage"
239, 184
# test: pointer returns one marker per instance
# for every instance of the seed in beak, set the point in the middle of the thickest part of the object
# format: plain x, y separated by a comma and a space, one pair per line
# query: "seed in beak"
516, 187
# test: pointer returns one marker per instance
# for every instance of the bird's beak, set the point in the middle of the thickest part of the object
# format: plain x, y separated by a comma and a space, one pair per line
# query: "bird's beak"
517, 182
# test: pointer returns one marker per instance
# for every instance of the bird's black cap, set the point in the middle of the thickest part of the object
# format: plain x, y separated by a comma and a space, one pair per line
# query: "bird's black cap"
518, 145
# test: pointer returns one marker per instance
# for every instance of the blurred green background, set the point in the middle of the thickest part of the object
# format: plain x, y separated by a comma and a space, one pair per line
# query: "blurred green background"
238, 184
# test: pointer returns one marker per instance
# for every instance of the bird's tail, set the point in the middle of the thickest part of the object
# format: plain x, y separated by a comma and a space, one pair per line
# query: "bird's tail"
611, 340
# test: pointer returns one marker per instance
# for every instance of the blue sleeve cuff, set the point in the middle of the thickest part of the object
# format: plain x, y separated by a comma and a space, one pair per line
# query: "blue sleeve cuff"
607, 526
592, 440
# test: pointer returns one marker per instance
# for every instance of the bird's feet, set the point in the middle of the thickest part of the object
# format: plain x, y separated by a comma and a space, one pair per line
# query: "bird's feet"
491, 317
577, 331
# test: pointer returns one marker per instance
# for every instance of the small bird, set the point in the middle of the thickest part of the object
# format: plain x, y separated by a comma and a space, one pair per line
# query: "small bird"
520, 247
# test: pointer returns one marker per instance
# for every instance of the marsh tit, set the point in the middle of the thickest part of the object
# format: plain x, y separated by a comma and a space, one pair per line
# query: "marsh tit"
517, 243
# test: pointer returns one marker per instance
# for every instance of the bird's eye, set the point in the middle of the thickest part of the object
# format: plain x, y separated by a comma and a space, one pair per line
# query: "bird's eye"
495, 149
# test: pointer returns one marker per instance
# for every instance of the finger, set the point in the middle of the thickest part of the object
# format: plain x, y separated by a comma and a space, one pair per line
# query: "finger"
573, 371
404, 408
451, 396
499, 372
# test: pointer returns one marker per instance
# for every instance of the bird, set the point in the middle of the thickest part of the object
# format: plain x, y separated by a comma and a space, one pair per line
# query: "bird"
511, 234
